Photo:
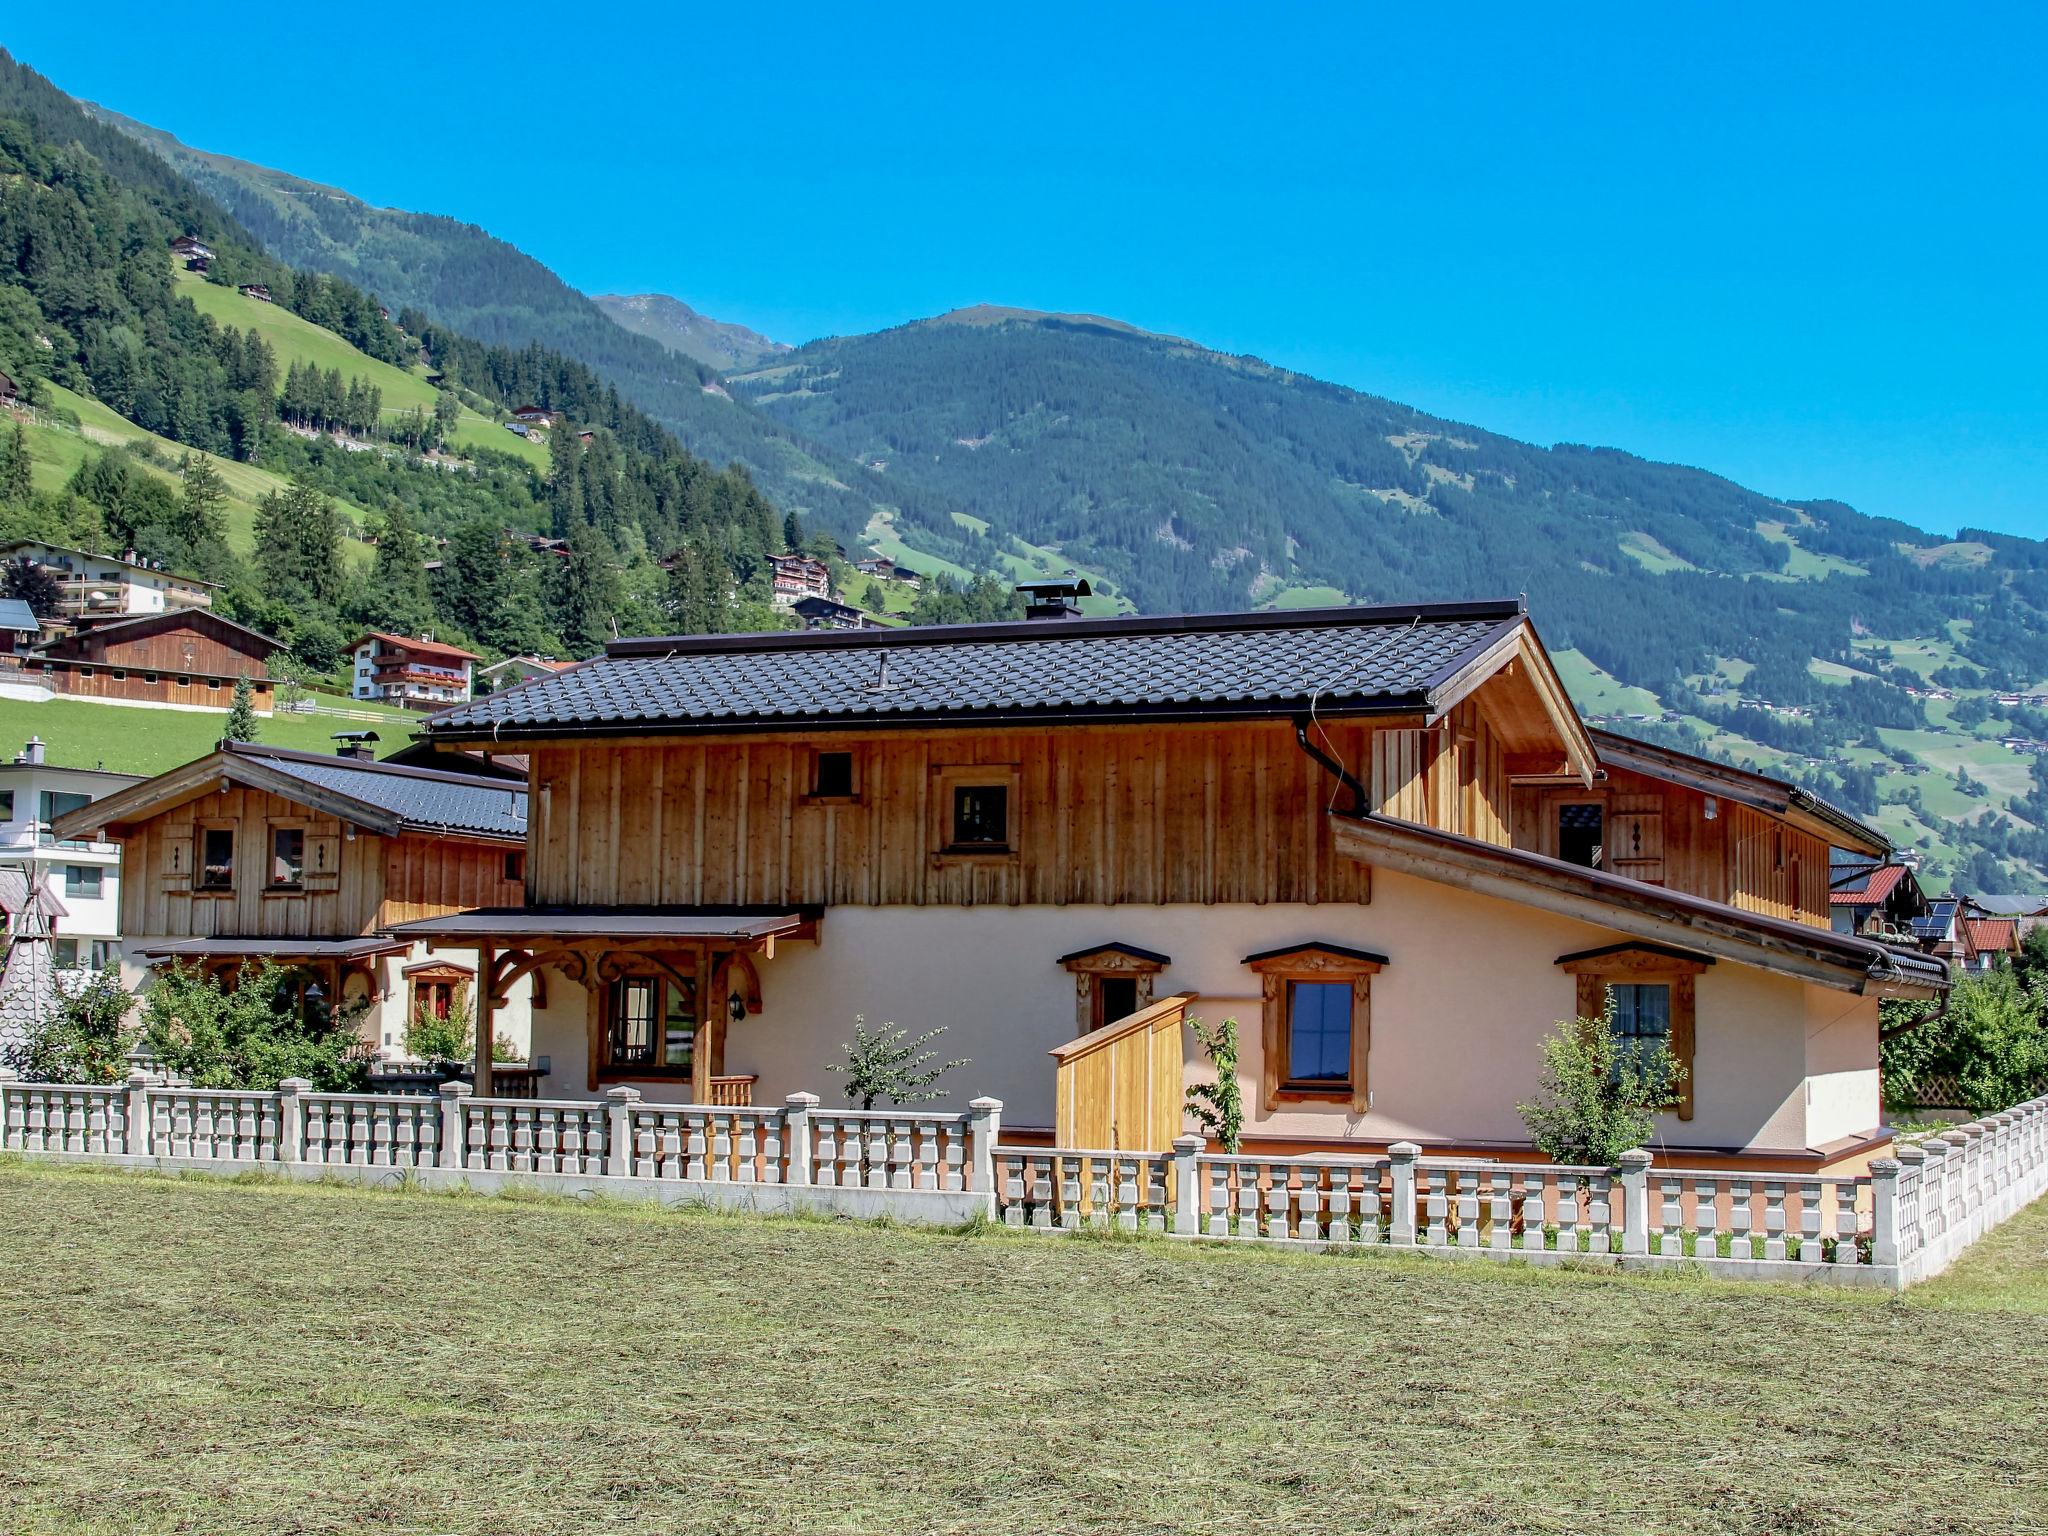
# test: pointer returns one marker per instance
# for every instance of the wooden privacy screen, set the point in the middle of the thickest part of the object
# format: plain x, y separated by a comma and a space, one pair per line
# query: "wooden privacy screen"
1121, 1087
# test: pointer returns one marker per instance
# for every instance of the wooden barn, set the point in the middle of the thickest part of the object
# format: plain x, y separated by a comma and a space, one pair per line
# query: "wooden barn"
187, 658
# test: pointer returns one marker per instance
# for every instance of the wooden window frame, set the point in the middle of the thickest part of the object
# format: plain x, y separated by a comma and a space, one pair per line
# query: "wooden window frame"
662, 980
946, 781
1315, 962
855, 765
1646, 964
201, 886
1090, 967
271, 885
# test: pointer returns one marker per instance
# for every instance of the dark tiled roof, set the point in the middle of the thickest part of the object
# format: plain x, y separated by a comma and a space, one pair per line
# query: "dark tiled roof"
421, 798
1349, 659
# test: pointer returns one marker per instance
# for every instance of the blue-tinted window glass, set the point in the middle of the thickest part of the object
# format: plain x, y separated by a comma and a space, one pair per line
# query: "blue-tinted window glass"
1318, 1031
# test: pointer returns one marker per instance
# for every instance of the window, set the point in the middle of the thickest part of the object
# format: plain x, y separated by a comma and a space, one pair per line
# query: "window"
1317, 1037
213, 683
1652, 991
151, 677
56, 803
287, 858
64, 953
981, 816
515, 866
834, 778
1579, 829
651, 1026
217, 859
1642, 1014
1318, 1032
1116, 997
184, 682
120, 675
6, 805
83, 880
102, 953
1111, 982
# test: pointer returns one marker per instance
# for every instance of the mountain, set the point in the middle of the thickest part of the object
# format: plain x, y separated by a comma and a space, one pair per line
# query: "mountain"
717, 344
468, 280
1901, 671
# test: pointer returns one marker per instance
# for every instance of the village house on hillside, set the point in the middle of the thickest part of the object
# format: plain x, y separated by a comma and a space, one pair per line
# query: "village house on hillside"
514, 670
178, 658
312, 861
795, 577
109, 586
1380, 838
415, 672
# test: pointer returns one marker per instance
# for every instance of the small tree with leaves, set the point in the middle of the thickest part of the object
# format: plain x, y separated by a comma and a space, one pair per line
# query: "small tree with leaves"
1598, 1097
87, 1039
882, 1066
33, 583
1218, 1107
241, 724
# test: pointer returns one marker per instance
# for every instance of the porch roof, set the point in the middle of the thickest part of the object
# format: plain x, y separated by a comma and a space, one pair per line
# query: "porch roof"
275, 949
517, 924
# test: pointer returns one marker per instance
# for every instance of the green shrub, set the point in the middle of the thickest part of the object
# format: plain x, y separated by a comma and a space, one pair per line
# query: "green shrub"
1992, 1039
433, 1038
251, 1034
87, 1040
881, 1066
1598, 1098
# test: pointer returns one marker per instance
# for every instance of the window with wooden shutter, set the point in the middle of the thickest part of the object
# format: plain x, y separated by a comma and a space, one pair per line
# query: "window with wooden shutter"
176, 868
1663, 987
1635, 838
323, 861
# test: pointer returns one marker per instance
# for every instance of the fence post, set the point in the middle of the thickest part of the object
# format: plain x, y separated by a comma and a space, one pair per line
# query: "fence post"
138, 1112
985, 1123
1187, 1189
454, 1140
618, 1131
1401, 1228
7, 1075
291, 1119
1635, 1201
796, 1135
1884, 1205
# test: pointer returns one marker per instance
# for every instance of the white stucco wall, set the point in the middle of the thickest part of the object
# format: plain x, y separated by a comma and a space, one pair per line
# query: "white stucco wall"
1470, 986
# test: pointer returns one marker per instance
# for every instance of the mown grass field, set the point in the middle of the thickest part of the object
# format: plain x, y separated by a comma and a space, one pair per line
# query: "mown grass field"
123, 739
196, 1356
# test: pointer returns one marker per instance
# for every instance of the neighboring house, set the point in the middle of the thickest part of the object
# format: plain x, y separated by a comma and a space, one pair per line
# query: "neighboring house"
2027, 912
181, 658
20, 629
9, 392
254, 291
881, 567
108, 586
417, 673
536, 416
1878, 898
824, 613
798, 576
1379, 838
80, 876
1988, 940
310, 861
197, 255
1940, 930
514, 670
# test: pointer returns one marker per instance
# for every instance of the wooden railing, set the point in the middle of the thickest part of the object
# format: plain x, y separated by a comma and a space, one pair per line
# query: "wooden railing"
733, 1092
1121, 1087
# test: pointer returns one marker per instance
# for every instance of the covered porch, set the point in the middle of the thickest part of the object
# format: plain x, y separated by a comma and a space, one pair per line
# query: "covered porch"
329, 974
662, 989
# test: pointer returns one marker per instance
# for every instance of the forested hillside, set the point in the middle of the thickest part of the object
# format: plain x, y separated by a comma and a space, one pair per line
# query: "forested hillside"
465, 279
166, 414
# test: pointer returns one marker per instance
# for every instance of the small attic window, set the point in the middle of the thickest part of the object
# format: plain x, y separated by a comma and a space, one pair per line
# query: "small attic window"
835, 775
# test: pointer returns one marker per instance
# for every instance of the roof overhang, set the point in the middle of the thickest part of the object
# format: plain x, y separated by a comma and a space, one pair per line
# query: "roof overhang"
528, 927
1614, 902
1516, 658
273, 949
121, 810
1803, 809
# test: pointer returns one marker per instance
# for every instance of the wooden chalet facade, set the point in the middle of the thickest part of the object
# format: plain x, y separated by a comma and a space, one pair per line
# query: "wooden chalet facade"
1379, 838
181, 658
312, 861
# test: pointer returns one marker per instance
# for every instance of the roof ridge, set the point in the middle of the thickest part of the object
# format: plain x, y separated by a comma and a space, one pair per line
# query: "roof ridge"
371, 765
1358, 616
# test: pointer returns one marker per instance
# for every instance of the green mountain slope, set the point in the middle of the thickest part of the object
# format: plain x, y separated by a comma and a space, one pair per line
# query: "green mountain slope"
718, 344
461, 277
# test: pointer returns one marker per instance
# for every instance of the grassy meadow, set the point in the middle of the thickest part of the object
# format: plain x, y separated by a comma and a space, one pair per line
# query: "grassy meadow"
83, 734
194, 1356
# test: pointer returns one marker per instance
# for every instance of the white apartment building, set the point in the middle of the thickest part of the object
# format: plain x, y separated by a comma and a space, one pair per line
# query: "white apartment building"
84, 877
109, 586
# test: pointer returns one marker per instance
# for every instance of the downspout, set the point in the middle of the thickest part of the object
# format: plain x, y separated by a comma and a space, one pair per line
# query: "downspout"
1359, 798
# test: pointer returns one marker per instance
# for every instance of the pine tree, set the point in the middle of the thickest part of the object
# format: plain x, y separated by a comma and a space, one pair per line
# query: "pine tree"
241, 724
587, 592
16, 483
399, 577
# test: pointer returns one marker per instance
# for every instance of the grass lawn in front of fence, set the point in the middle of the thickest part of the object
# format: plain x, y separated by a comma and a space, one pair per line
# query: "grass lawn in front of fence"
197, 1355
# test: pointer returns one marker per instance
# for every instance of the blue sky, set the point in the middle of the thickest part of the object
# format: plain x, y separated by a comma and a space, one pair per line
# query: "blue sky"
1804, 251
